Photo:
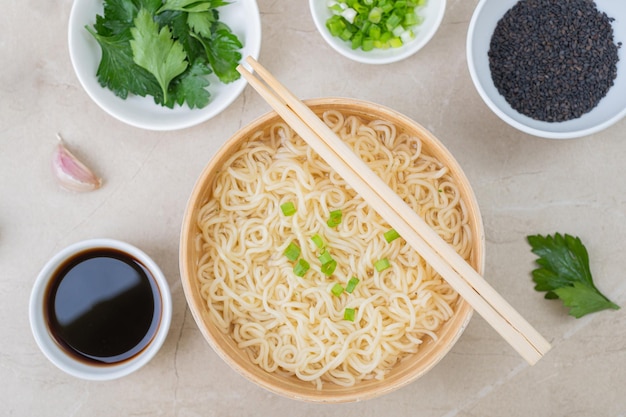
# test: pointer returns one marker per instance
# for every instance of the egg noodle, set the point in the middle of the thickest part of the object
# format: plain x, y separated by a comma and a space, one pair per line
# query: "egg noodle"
295, 325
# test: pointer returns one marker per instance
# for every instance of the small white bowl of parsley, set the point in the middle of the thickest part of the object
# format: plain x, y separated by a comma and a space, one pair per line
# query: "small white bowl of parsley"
162, 64
377, 31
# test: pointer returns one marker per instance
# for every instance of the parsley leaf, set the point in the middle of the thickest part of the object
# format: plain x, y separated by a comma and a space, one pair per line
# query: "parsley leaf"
156, 50
116, 54
223, 52
190, 86
202, 23
192, 5
564, 273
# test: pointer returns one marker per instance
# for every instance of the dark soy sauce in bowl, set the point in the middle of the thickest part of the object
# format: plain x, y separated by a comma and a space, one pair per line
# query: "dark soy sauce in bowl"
102, 306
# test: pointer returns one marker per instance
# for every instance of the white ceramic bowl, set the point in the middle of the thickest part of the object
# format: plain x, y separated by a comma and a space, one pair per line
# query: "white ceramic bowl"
433, 14
243, 18
66, 362
610, 109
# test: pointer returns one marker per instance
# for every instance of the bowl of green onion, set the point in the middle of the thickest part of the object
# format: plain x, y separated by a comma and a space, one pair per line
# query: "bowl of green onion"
377, 31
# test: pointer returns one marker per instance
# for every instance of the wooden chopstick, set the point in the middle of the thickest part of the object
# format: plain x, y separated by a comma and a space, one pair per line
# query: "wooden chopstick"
438, 253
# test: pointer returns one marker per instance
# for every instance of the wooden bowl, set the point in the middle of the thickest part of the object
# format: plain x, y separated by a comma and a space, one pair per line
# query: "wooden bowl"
412, 367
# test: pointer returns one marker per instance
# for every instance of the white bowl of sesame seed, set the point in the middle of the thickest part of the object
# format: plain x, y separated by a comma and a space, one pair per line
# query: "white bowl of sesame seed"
552, 101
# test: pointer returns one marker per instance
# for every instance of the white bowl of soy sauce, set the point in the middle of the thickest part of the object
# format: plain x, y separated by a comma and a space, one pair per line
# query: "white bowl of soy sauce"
100, 309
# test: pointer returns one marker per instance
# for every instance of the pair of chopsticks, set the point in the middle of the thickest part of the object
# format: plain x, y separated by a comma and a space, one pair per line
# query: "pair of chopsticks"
438, 253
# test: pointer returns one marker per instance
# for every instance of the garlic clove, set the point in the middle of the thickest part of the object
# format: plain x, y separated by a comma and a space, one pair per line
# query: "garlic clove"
71, 173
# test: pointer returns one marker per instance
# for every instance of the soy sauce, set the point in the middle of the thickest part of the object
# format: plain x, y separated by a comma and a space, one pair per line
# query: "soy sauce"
103, 306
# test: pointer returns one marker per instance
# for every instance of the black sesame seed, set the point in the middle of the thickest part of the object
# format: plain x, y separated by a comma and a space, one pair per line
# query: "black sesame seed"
553, 60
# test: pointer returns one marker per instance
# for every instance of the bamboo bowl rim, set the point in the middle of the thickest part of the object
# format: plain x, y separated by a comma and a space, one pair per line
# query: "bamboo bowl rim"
410, 368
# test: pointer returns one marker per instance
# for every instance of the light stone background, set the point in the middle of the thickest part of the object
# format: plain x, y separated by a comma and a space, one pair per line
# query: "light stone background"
524, 185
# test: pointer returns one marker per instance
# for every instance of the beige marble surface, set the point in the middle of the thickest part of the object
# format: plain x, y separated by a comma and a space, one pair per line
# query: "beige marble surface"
524, 185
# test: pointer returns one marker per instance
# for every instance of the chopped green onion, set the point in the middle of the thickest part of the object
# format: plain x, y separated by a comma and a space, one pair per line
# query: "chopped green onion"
349, 314
346, 34
399, 5
329, 267
352, 284
292, 252
399, 30
328, 263
375, 15
383, 23
301, 267
288, 208
382, 264
391, 235
336, 290
374, 32
325, 257
394, 20
407, 36
335, 25
410, 19
357, 40
335, 218
387, 6
319, 242
349, 14
367, 44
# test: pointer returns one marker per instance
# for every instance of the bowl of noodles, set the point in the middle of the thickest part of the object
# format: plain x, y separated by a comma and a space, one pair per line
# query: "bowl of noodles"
298, 284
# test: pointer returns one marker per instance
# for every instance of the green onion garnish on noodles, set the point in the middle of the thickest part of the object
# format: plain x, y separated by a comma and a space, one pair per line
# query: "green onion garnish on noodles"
391, 235
329, 267
325, 257
328, 263
382, 264
319, 242
351, 284
301, 267
288, 208
336, 290
349, 314
335, 218
292, 252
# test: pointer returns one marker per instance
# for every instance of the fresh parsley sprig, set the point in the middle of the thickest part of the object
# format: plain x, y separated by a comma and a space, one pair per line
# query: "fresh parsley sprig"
165, 49
564, 273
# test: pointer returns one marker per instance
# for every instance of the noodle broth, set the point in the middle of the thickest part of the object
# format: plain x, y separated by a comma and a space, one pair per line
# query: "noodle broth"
287, 333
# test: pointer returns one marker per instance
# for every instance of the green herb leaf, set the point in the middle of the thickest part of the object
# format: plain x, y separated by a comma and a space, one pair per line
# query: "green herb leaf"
222, 51
191, 5
156, 51
202, 23
116, 55
565, 273
582, 299
190, 86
